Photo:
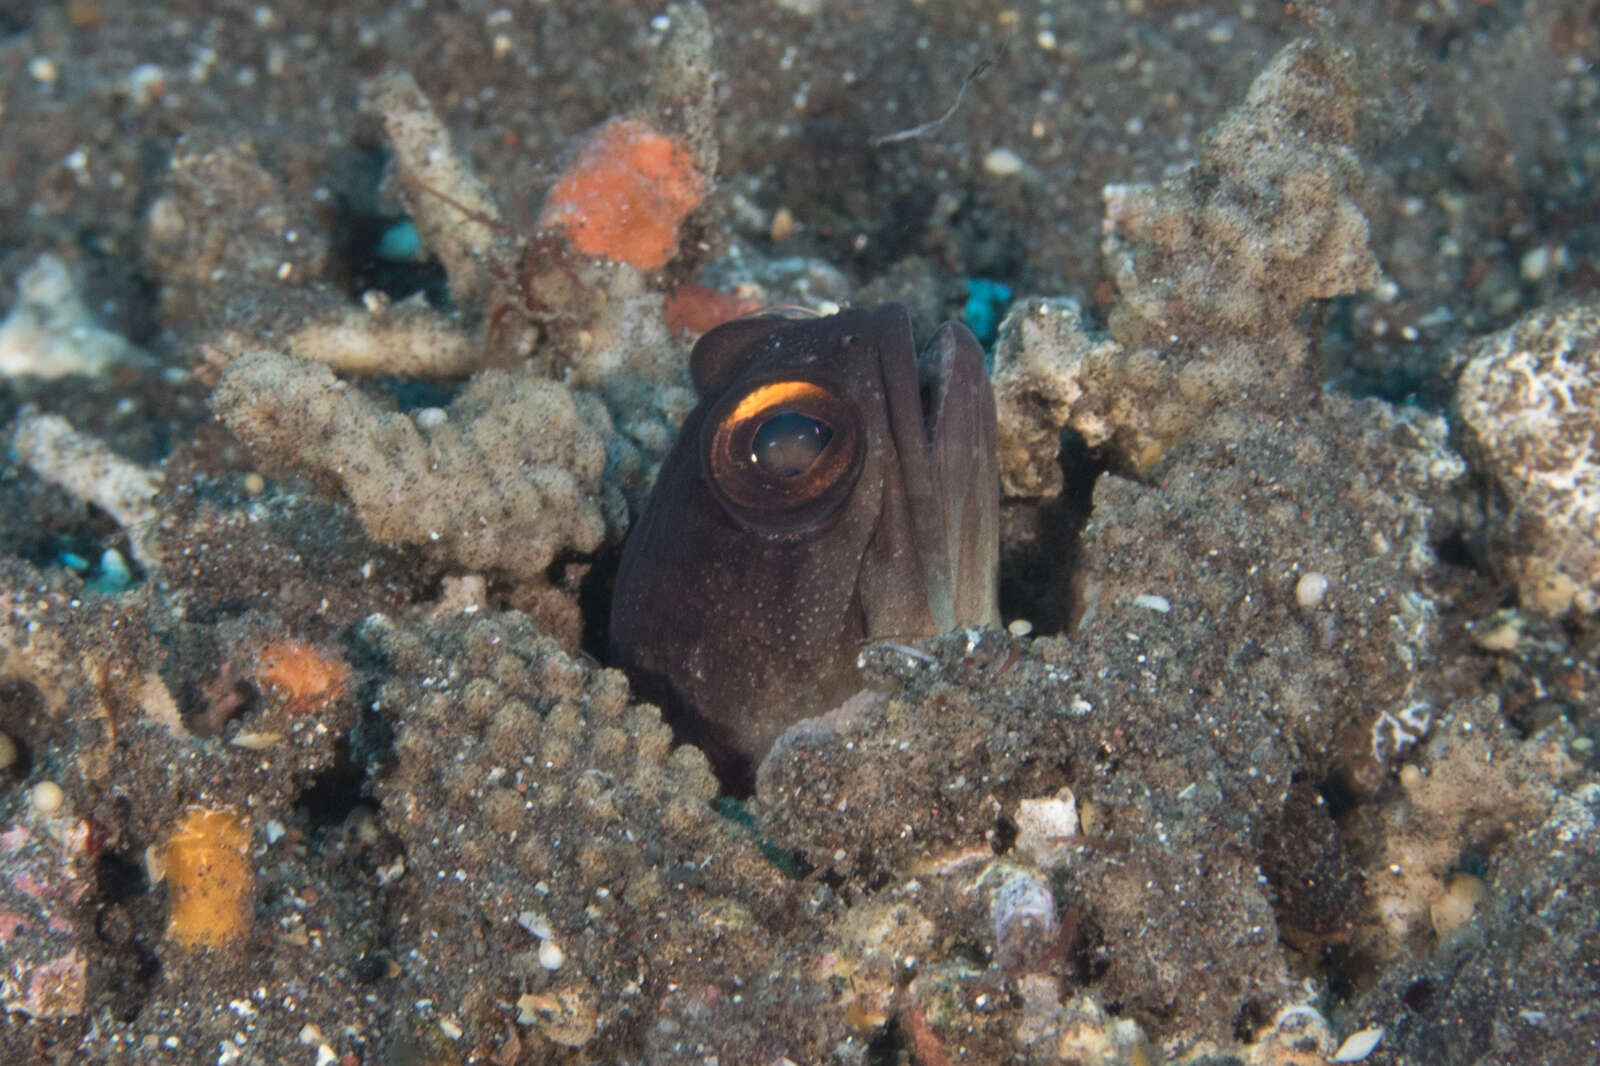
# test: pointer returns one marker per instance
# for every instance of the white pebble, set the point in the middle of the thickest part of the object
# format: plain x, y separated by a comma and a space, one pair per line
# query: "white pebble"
1535, 263
1151, 602
430, 417
1019, 627
1045, 828
1310, 590
43, 69
550, 955
536, 923
47, 797
1002, 162
146, 84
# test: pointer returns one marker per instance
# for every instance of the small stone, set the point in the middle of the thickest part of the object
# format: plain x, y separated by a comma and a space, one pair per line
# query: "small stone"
567, 1016
1045, 828
1500, 633
1535, 263
115, 574
536, 923
8, 752
551, 957
1463, 895
47, 798
1002, 162
782, 224
1019, 627
1310, 590
147, 82
1151, 602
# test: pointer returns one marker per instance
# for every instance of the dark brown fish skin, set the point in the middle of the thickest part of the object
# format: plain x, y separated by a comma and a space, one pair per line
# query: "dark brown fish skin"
742, 614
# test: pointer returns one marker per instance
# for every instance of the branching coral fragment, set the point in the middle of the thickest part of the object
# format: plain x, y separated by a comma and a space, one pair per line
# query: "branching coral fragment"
509, 477
1211, 270
85, 467
427, 165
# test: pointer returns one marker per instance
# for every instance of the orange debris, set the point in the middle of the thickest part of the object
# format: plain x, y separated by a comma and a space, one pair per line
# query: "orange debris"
210, 877
696, 308
625, 195
307, 679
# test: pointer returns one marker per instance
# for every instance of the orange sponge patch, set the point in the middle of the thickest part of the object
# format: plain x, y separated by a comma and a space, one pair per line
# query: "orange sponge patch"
626, 195
697, 309
211, 877
307, 679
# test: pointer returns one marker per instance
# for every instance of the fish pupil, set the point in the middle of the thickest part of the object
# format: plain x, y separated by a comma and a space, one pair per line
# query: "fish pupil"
787, 444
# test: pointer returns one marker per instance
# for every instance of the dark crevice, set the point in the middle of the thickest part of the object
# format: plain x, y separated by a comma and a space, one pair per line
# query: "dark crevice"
1455, 551
334, 793
1338, 795
127, 921
1038, 569
22, 716
1253, 1017
594, 602
119, 878
1086, 960
357, 222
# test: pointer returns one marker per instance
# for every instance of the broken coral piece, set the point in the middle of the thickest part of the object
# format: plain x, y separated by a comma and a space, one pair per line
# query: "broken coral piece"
1530, 406
224, 219
408, 339
50, 332
85, 467
47, 876
626, 194
511, 474
1051, 373
453, 209
1267, 222
1211, 270
683, 84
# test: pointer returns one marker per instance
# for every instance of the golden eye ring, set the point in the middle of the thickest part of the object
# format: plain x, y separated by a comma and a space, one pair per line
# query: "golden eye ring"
782, 455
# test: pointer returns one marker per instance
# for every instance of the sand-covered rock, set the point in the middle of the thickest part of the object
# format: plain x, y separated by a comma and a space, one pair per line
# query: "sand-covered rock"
1529, 406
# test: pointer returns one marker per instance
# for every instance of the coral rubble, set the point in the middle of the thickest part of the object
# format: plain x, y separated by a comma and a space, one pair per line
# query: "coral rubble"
1284, 779
50, 332
1211, 269
505, 478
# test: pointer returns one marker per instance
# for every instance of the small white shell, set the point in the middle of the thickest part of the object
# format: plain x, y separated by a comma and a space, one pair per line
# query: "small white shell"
1023, 912
1310, 590
1358, 1046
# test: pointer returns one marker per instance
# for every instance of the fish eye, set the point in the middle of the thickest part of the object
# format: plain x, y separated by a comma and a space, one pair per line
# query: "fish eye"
787, 444
782, 455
